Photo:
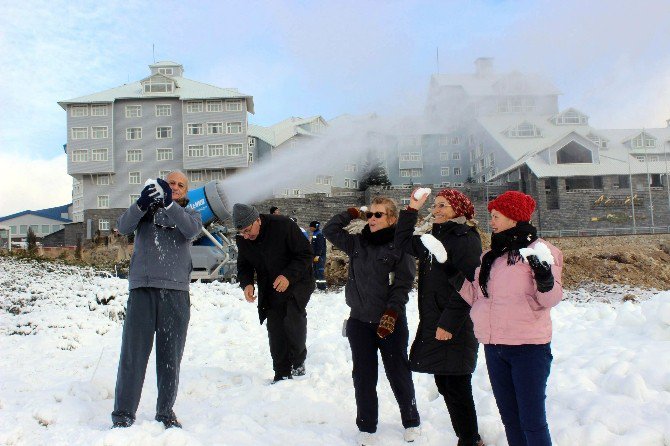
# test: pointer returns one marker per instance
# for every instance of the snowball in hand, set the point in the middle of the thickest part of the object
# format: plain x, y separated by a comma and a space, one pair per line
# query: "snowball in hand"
435, 247
158, 187
364, 208
540, 250
421, 192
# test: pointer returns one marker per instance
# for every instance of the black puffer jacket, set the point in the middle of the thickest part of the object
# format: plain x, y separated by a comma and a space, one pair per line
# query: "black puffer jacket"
380, 275
439, 301
279, 249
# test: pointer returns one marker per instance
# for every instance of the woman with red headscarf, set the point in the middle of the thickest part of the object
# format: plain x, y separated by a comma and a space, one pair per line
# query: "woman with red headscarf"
511, 296
445, 344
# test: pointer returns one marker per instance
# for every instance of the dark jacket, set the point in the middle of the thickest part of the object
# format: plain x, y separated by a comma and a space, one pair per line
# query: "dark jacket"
161, 255
440, 304
279, 249
380, 275
319, 248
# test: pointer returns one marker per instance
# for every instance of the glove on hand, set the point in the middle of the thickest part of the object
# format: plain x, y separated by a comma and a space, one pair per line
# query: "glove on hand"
355, 213
544, 278
387, 324
148, 195
167, 192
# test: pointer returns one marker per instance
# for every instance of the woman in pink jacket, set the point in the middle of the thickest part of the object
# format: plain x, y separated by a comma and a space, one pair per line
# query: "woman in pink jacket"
511, 298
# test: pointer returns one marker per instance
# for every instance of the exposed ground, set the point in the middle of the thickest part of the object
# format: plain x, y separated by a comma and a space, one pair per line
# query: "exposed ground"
636, 260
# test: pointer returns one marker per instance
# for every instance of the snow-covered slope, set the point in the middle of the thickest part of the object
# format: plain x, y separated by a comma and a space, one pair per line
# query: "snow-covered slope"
610, 381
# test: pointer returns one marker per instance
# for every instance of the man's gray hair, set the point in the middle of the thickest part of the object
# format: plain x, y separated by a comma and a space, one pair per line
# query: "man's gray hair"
181, 173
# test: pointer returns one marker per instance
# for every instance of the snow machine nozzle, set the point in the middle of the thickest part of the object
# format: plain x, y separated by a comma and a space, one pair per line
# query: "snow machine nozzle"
210, 201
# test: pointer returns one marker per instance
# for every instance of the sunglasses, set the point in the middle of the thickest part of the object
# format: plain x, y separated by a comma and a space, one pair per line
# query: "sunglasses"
376, 214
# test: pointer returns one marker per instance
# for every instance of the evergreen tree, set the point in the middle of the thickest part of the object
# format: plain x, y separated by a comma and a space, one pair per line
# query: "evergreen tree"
375, 176
32, 242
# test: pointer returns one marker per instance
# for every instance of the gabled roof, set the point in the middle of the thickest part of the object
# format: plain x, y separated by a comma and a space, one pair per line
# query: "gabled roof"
185, 89
52, 213
282, 131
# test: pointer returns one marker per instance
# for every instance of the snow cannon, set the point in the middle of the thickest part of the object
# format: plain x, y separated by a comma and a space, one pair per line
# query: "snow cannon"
211, 202
214, 254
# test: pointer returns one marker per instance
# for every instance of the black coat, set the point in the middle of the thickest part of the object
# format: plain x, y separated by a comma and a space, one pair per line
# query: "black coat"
440, 304
380, 275
279, 249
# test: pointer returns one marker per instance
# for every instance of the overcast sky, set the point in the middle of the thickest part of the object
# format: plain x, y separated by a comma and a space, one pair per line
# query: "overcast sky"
610, 59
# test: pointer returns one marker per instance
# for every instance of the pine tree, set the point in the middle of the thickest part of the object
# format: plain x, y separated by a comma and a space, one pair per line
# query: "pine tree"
32, 242
375, 177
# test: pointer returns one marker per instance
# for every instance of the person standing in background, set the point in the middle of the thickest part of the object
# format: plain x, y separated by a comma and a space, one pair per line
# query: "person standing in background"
319, 248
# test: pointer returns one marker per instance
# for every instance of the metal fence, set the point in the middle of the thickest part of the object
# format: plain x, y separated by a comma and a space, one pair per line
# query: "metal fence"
605, 231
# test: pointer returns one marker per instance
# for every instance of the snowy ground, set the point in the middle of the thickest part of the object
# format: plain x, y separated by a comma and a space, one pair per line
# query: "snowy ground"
610, 381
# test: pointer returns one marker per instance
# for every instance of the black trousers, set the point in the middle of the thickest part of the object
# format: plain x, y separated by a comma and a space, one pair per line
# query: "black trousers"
364, 344
457, 393
165, 313
287, 333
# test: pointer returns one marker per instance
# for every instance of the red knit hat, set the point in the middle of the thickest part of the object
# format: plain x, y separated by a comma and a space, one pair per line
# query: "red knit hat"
515, 205
460, 203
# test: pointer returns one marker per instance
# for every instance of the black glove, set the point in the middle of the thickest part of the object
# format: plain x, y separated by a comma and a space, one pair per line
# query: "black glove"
167, 192
148, 195
544, 278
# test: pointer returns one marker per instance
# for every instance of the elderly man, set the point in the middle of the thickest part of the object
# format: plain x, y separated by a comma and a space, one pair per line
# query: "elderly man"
272, 247
159, 300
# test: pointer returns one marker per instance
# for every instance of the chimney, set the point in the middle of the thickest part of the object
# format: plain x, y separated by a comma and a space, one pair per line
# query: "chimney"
484, 67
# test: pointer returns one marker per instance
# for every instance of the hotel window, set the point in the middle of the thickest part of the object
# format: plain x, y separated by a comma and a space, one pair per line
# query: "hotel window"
164, 110
457, 170
444, 156
163, 173
250, 157
133, 111
234, 127
443, 141
133, 133
319, 179
78, 111
194, 107
216, 175
98, 132
99, 110
234, 150
79, 132
195, 176
444, 172
196, 151
103, 224
102, 180
134, 177
158, 85
79, 156
163, 132
134, 198
455, 140
328, 180
163, 154
354, 184
233, 105
347, 182
23, 229
103, 201
194, 129
252, 142
296, 192
456, 156
215, 149
350, 168
134, 156
166, 71
214, 128
54, 228
214, 106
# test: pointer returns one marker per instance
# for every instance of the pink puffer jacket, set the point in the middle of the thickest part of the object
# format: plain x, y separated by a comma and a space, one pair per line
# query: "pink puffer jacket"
515, 312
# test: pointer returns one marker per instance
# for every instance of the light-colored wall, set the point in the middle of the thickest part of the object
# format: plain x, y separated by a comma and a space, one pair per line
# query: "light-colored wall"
31, 219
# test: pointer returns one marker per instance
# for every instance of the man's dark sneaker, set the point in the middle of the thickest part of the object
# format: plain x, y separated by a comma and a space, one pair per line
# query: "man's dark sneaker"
299, 370
278, 378
169, 422
122, 423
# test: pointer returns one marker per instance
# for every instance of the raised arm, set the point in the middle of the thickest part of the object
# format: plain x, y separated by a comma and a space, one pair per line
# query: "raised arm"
335, 232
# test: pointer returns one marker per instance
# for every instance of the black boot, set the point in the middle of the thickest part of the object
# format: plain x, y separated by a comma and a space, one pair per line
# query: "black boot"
169, 422
279, 377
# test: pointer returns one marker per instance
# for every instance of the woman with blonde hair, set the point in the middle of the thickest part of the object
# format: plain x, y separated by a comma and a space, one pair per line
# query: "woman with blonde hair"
445, 345
380, 278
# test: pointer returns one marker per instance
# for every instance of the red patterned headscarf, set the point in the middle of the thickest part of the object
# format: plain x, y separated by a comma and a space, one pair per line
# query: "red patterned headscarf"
460, 203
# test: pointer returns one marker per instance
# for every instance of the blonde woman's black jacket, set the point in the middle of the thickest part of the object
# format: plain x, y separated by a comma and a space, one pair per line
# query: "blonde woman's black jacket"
380, 275
279, 249
440, 305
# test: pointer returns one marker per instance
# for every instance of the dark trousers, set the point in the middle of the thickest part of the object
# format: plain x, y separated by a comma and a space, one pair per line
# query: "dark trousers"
320, 274
364, 344
457, 393
149, 311
287, 333
518, 375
